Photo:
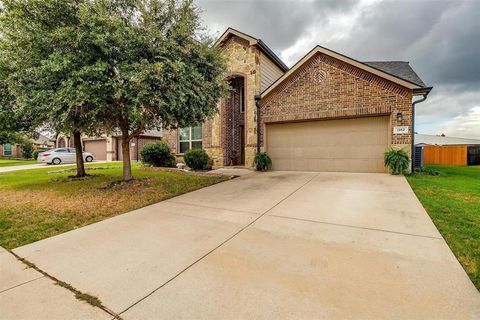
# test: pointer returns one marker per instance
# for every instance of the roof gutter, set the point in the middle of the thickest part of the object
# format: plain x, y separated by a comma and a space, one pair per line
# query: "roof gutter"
424, 92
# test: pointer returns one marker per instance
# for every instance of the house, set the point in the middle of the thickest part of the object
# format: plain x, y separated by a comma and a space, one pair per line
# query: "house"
109, 147
328, 112
10, 150
448, 150
14, 150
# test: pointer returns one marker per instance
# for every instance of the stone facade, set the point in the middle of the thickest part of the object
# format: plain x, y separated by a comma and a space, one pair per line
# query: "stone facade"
326, 88
243, 60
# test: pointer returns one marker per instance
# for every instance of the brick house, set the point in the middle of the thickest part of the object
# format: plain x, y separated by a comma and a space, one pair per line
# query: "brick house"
109, 147
328, 112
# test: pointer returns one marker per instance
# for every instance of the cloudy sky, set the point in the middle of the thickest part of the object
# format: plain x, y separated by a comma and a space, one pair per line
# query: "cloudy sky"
440, 39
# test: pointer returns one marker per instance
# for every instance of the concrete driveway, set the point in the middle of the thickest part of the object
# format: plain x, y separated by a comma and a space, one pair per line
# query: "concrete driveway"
274, 245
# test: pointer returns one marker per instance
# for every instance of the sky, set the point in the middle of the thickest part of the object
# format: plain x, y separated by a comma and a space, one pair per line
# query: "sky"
440, 39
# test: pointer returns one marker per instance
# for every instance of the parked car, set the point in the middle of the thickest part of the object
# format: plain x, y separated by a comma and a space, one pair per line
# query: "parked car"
62, 155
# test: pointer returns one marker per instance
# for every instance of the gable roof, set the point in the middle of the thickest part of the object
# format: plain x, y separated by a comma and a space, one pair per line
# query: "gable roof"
383, 73
400, 69
253, 41
426, 139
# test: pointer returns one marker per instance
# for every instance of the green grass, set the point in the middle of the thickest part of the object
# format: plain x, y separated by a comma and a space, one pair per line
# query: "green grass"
452, 200
36, 204
15, 162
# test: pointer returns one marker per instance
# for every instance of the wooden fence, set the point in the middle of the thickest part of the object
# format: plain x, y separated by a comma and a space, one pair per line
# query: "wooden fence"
449, 155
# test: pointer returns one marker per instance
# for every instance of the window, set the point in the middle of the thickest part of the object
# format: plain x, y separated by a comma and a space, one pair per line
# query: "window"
61, 150
190, 137
7, 149
241, 100
72, 150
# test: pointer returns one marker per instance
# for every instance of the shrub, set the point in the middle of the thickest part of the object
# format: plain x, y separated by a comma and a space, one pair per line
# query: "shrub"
27, 149
196, 159
262, 161
397, 160
157, 154
36, 152
427, 171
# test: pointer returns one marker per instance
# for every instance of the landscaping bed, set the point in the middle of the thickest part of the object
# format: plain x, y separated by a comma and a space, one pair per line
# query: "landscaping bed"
452, 199
39, 203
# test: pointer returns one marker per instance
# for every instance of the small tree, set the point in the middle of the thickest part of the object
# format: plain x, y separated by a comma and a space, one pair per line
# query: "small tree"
27, 149
162, 73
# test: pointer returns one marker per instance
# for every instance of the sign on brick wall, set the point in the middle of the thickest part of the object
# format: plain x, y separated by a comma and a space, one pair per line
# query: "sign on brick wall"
400, 130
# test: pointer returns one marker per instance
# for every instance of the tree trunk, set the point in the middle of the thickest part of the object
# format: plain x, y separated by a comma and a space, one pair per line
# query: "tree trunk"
77, 140
127, 166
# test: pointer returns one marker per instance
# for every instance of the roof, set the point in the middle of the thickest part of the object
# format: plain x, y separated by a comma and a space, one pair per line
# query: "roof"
362, 65
426, 139
254, 41
400, 69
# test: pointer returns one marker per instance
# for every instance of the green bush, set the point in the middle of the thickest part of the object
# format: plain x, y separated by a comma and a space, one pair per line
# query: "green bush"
36, 152
157, 154
427, 171
397, 160
262, 161
196, 159
27, 149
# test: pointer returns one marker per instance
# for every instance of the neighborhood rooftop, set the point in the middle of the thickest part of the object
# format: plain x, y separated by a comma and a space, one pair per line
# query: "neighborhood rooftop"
442, 140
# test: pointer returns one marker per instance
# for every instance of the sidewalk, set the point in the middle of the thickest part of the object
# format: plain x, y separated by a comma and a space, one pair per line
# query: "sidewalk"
38, 166
27, 294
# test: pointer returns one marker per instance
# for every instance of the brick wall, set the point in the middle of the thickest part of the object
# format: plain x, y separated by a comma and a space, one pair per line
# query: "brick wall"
326, 88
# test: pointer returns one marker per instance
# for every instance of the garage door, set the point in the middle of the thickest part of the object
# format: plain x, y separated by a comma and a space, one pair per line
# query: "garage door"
97, 147
348, 145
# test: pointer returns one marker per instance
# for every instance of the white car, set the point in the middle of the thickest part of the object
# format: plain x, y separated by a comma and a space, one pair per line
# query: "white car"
62, 155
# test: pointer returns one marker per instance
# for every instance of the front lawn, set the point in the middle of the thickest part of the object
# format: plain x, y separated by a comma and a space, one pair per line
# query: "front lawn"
15, 162
36, 204
452, 200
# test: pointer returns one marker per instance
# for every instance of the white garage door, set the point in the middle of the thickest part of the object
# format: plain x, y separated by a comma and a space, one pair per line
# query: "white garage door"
348, 145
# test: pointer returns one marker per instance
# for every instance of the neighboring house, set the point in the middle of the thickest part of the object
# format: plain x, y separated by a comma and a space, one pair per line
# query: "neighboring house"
328, 112
109, 147
43, 142
448, 150
15, 150
10, 150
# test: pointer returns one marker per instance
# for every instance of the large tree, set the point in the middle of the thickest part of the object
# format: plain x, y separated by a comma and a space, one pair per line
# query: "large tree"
50, 68
163, 71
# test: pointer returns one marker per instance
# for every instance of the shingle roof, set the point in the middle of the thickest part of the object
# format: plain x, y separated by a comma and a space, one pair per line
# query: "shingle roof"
426, 139
399, 69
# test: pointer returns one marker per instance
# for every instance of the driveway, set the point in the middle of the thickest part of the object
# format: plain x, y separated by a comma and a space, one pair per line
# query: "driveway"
271, 245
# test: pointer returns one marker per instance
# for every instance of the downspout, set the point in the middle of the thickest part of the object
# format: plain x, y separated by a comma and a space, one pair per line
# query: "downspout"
257, 104
425, 92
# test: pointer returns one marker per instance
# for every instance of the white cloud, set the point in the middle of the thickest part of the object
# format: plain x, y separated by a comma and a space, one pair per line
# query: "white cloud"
465, 125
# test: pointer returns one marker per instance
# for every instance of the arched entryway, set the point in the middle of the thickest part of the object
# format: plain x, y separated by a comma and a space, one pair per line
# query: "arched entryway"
61, 142
233, 126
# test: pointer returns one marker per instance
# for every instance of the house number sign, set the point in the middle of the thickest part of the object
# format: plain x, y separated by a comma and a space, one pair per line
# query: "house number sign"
400, 130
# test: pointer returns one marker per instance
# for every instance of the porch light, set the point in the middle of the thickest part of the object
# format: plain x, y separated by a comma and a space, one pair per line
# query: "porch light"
399, 116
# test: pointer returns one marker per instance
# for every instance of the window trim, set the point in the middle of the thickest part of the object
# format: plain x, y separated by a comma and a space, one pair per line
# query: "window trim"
190, 140
4, 149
